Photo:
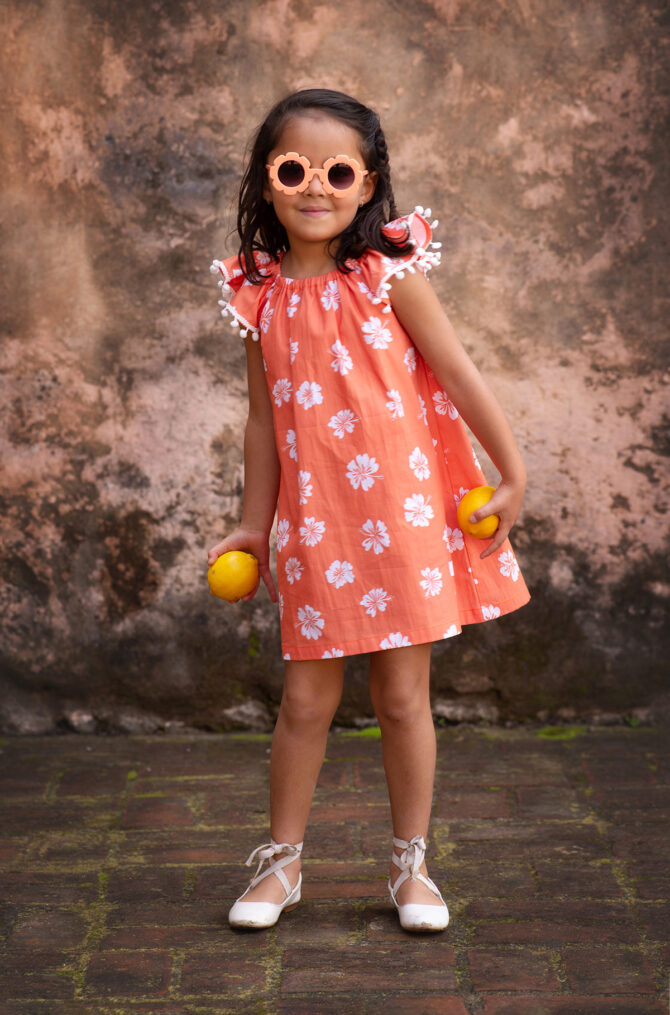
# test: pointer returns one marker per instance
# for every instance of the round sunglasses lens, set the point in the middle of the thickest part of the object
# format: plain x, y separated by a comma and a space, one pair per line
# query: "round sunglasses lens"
341, 176
290, 173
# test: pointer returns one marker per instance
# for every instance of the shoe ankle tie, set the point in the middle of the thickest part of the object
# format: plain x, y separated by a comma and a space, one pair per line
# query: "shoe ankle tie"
413, 855
270, 849
409, 862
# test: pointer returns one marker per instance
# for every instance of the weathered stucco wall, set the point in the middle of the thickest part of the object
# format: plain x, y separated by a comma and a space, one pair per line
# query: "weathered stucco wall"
535, 131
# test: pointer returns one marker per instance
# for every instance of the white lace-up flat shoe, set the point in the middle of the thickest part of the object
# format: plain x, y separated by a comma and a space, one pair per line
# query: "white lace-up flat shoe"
266, 914
413, 915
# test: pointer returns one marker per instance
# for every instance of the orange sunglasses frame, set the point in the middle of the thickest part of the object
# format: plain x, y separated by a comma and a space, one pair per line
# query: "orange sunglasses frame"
275, 166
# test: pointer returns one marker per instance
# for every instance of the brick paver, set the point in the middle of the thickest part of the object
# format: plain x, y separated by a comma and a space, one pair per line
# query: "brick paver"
119, 858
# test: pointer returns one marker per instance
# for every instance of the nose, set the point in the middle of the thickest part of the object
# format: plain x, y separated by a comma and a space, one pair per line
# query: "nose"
315, 185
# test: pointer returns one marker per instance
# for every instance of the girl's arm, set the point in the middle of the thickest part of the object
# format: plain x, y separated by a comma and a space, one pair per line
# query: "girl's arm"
261, 476
419, 311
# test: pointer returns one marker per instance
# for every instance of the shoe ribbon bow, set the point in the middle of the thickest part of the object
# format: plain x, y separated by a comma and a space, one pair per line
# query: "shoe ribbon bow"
270, 849
413, 856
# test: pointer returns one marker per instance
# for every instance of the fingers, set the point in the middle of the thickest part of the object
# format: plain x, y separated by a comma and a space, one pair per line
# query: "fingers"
269, 583
490, 508
498, 541
230, 543
251, 542
250, 595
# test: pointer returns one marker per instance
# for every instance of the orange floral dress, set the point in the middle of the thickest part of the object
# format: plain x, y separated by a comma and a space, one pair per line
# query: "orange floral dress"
374, 460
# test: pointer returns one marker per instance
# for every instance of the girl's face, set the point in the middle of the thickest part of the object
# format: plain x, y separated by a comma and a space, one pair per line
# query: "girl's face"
313, 216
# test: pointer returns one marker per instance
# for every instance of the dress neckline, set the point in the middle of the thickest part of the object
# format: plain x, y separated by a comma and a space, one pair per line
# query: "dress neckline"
310, 280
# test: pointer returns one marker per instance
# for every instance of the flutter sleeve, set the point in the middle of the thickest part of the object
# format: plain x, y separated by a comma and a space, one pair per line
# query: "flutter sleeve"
378, 270
241, 301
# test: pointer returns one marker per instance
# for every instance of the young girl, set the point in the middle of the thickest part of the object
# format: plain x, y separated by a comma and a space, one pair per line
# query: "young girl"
358, 386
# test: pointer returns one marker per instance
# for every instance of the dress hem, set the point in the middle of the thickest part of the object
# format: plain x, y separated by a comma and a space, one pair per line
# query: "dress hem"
303, 653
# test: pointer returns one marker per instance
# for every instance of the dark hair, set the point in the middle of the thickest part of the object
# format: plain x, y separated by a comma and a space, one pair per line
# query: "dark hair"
257, 224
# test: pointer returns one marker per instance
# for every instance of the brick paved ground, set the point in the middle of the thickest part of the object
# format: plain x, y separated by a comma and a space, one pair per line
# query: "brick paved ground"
120, 858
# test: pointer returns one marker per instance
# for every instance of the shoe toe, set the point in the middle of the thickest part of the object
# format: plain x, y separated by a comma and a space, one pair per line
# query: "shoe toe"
417, 917
262, 914
254, 914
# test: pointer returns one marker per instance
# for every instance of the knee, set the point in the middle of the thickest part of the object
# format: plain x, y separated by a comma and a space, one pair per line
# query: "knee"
400, 706
303, 707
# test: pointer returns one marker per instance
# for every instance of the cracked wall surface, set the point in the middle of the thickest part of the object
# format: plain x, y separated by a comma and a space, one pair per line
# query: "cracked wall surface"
536, 133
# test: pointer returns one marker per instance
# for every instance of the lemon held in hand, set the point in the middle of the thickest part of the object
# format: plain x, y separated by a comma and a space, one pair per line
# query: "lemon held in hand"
233, 575
472, 501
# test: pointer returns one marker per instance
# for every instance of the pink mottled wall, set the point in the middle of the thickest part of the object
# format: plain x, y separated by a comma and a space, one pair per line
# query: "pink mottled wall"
535, 131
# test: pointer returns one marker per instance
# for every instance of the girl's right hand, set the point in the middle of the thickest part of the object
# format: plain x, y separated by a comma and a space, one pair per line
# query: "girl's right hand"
253, 541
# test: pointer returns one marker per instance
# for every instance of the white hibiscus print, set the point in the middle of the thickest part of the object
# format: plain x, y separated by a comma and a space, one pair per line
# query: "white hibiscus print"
266, 317
293, 349
422, 411
361, 472
490, 612
330, 300
444, 405
332, 653
343, 422
451, 631
418, 463
395, 640
341, 362
375, 599
293, 568
376, 536
339, 573
432, 581
394, 404
312, 531
366, 291
508, 565
293, 305
304, 485
453, 538
281, 391
291, 445
283, 533
418, 510
409, 359
309, 394
376, 334
280, 600
311, 622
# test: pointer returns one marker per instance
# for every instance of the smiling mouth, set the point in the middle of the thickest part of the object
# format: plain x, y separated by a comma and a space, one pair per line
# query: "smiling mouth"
314, 211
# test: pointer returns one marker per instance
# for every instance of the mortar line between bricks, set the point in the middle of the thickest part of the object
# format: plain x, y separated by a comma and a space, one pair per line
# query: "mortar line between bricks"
557, 964
460, 938
178, 956
97, 911
49, 795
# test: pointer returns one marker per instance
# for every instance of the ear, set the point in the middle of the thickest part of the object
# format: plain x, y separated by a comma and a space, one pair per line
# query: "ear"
368, 188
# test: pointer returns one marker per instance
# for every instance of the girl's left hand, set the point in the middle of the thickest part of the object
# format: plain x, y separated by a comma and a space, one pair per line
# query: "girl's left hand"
506, 503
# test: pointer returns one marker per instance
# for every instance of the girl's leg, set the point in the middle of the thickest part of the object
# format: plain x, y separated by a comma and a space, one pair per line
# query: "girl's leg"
311, 694
400, 694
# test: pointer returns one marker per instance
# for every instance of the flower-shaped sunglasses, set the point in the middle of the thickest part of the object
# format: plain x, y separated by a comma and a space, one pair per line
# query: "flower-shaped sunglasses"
292, 174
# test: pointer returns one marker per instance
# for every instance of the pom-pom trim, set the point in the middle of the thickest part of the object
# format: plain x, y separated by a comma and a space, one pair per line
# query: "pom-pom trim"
423, 258
237, 321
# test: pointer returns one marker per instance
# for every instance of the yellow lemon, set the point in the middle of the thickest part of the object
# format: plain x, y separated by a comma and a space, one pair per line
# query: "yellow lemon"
472, 501
233, 575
